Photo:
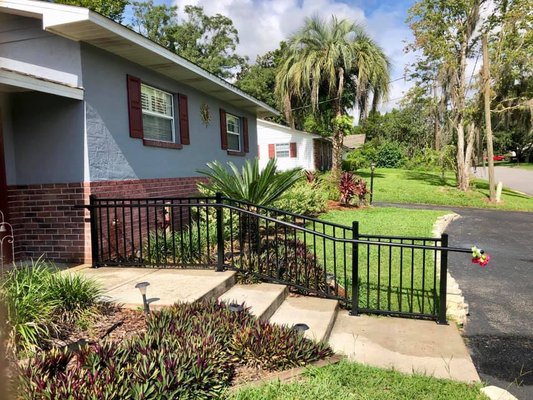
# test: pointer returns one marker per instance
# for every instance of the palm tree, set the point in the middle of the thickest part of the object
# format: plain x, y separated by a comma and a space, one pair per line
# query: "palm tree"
336, 61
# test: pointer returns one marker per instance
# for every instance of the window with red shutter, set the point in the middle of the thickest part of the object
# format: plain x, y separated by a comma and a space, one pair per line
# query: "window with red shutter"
223, 130
184, 119
292, 150
245, 143
271, 151
135, 107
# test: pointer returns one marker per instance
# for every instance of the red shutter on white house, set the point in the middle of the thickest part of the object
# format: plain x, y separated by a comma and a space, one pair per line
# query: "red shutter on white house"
271, 151
292, 149
258, 151
245, 143
134, 107
183, 111
223, 130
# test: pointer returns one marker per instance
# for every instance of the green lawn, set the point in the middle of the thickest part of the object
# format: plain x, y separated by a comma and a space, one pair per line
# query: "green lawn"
424, 187
392, 278
348, 380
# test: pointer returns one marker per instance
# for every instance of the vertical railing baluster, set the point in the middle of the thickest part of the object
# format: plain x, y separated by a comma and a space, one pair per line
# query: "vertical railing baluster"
355, 268
93, 213
401, 278
443, 279
390, 278
423, 275
220, 234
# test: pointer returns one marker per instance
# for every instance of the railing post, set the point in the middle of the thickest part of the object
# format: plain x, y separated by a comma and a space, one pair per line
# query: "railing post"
355, 269
443, 280
94, 231
220, 234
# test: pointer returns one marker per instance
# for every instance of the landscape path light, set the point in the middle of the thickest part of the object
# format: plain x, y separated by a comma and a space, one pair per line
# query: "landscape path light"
372, 168
142, 288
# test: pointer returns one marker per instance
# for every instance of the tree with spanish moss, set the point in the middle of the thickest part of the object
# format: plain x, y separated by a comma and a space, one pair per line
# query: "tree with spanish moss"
336, 63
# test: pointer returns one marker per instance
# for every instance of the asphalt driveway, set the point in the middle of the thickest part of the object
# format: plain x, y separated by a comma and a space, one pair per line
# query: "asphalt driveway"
499, 331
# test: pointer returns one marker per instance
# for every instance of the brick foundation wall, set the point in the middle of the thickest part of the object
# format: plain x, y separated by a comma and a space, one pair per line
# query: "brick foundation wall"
45, 221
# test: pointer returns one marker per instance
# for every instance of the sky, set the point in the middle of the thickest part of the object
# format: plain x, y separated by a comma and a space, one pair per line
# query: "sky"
262, 24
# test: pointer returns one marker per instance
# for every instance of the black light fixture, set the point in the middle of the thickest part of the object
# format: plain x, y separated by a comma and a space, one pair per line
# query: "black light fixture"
142, 288
234, 307
372, 168
300, 327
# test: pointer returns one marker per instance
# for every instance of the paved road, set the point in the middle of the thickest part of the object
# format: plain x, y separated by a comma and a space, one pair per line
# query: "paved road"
499, 331
514, 178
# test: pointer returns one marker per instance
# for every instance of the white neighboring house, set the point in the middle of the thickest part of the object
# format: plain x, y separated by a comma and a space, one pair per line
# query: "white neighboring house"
292, 148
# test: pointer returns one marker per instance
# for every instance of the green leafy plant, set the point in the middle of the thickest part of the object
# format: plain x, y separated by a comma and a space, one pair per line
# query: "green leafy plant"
303, 198
39, 299
189, 246
251, 184
189, 351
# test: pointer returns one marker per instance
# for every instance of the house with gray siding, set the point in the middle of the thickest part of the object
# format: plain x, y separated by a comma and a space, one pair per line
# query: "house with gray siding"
88, 106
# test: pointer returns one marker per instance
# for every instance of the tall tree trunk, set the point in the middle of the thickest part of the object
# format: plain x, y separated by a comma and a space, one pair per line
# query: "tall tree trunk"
464, 155
338, 139
488, 125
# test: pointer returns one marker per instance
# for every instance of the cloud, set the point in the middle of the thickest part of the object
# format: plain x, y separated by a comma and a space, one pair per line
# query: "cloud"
262, 24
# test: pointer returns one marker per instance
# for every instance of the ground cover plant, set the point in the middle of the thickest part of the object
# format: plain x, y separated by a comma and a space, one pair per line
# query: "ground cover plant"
426, 187
41, 302
188, 351
348, 380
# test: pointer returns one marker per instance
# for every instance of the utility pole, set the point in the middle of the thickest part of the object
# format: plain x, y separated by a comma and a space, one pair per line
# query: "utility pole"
488, 126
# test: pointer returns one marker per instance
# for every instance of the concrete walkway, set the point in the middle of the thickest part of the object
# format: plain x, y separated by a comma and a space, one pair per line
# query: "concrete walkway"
514, 178
402, 344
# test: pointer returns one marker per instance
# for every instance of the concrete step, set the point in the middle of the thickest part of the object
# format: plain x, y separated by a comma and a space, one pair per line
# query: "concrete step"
262, 298
318, 314
406, 345
167, 286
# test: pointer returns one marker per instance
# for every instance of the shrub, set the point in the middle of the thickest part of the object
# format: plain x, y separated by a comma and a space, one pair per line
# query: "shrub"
303, 198
188, 246
290, 260
30, 308
189, 351
389, 155
39, 300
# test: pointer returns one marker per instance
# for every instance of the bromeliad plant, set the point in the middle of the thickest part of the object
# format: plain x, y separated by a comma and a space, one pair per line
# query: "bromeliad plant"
352, 189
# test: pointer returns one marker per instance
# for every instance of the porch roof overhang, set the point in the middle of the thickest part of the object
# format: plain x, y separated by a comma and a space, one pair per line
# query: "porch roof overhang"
14, 81
82, 25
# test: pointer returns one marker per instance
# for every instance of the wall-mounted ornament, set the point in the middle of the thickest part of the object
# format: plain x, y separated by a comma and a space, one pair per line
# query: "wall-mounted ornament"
205, 115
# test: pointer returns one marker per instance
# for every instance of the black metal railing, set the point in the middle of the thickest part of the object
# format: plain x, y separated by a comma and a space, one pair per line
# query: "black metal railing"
404, 276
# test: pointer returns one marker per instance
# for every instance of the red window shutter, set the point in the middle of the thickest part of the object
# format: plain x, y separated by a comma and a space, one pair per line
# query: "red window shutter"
258, 151
184, 119
134, 107
245, 144
223, 130
271, 151
292, 149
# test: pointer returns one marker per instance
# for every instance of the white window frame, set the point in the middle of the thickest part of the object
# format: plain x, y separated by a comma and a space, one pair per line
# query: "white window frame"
159, 115
288, 150
229, 132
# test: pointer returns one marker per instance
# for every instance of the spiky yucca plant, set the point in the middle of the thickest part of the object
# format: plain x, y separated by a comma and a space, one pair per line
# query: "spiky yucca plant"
251, 184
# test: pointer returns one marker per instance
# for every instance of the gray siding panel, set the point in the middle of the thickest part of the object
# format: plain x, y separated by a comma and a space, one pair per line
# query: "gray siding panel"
113, 155
48, 138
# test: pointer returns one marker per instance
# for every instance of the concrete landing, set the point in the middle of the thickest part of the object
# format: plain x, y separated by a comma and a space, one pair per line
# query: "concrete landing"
405, 345
318, 314
167, 286
262, 298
